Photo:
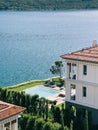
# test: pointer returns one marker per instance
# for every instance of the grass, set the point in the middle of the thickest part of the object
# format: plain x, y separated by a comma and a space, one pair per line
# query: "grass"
22, 86
58, 82
32, 83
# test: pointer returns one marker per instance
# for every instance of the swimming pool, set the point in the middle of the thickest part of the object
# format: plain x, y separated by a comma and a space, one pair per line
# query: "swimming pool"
42, 91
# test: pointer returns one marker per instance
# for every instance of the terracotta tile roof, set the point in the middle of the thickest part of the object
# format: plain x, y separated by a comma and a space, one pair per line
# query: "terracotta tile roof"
8, 110
88, 54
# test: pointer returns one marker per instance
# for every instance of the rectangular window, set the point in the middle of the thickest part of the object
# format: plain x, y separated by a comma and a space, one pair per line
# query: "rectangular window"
69, 70
84, 92
85, 69
73, 92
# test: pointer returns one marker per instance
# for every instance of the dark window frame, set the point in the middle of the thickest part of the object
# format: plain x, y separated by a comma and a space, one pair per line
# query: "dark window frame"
84, 92
84, 69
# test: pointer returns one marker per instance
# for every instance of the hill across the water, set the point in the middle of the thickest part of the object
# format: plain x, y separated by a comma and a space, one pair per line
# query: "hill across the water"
47, 4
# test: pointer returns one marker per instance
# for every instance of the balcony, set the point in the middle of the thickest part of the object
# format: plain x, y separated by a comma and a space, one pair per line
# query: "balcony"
71, 71
72, 76
73, 92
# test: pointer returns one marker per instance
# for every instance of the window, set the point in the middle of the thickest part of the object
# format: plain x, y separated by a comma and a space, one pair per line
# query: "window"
69, 70
84, 92
73, 92
85, 69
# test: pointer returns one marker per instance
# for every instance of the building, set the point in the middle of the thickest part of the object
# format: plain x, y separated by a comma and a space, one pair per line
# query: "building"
82, 79
9, 115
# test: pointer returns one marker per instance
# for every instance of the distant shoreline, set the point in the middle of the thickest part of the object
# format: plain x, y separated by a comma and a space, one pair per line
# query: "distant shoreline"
46, 10
34, 5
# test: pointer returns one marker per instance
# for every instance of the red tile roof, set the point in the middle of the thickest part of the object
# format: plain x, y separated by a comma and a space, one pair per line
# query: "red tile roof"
7, 110
88, 54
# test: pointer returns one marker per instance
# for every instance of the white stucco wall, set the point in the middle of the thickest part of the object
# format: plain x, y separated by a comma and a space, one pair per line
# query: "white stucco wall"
0, 127
90, 81
13, 126
91, 100
92, 72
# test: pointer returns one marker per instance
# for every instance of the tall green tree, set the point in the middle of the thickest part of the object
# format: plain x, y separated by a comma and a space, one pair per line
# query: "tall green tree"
47, 109
9, 96
22, 102
62, 117
56, 69
31, 123
23, 122
39, 124
78, 121
57, 115
27, 102
86, 126
3, 95
71, 125
34, 104
56, 126
48, 126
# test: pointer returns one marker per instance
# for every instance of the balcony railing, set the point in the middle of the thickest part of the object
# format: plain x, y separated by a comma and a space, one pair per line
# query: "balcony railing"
73, 97
72, 76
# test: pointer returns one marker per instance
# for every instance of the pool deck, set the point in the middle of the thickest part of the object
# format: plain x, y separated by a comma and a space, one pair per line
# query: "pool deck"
59, 99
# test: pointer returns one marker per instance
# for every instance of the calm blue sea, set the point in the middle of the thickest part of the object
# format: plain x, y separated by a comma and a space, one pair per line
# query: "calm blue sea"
30, 42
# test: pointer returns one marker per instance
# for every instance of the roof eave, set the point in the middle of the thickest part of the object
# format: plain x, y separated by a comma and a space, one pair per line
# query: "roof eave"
80, 60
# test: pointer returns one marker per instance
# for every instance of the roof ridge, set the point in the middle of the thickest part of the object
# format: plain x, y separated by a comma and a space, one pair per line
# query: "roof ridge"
86, 55
86, 48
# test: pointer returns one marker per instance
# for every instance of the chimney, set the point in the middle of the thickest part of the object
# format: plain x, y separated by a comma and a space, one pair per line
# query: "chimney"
94, 44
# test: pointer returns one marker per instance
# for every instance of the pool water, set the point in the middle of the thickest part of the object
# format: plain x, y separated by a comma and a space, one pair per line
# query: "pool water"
42, 91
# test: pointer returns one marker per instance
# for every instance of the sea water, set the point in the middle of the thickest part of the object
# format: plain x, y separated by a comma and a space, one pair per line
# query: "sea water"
30, 42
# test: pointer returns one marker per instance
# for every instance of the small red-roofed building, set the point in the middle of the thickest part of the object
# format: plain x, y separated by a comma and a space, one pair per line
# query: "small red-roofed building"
82, 80
9, 115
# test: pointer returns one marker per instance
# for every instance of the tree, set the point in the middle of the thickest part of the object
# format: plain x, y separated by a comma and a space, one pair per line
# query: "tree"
48, 126
39, 124
3, 95
23, 99
71, 125
43, 101
27, 102
86, 127
62, 116
46, 110
67, 118
57, 115
78, 121
23, 122
9, 96
34, 104
56, 126
56, 69
31, 123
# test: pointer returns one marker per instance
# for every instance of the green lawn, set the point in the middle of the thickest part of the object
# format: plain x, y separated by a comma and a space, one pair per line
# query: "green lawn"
25, 85
22, 86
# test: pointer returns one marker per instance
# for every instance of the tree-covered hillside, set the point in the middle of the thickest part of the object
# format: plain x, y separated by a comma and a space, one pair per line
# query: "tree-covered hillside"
47, 4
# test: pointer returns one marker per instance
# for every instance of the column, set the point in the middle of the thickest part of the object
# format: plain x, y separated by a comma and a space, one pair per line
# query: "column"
16, 124
4, 128
1, 126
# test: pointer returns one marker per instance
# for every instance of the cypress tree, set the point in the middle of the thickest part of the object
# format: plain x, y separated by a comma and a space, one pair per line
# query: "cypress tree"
86, 127
71, 125
46, 110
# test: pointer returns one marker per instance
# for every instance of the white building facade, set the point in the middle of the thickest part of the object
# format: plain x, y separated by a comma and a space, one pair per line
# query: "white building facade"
10, 123
82, 79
